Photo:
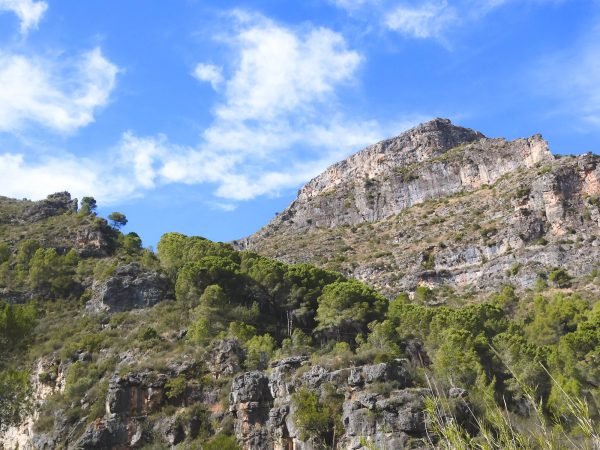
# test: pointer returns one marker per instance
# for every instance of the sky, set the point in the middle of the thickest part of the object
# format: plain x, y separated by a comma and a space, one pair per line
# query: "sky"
206, 117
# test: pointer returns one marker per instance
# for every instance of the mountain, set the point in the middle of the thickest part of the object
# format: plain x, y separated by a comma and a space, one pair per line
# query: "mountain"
105, 345
445, 207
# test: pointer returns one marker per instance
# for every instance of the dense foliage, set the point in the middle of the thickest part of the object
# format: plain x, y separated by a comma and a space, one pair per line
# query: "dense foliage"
512, 349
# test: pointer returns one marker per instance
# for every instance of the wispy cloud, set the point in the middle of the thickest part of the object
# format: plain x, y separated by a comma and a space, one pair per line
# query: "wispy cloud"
61, 96
433, 19
209, 73
277, 122
571, 77
29, 12
426, 20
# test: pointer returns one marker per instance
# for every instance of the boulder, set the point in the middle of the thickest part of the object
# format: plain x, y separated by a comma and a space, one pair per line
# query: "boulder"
225, 358
131, 287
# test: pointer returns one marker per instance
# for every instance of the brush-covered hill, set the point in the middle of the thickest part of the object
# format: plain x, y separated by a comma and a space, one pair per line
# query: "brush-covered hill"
107, 345
445, 207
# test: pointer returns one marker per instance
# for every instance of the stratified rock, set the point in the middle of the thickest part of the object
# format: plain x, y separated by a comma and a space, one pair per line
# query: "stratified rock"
385, 422
444, 205
104, 434
250, 403
131, 287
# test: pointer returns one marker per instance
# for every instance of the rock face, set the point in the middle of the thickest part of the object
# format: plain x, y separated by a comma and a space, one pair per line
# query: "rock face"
132, 400
262, 406
444, 205
54, 222
392, 175
47, 377
225, 358
53, 205
129, 288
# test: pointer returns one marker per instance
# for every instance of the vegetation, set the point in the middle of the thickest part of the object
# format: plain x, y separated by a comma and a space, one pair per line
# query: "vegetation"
117, 219
318, 418
531, 355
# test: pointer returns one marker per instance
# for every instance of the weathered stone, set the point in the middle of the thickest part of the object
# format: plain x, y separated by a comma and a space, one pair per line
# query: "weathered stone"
264, 419
104, 434
225, 358
53, 205
131, 287
535, 212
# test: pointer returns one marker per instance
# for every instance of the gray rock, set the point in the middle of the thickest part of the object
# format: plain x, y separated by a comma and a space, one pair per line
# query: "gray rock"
130, 287
225, 358
104, 435
437, 180
263, 409
53, 205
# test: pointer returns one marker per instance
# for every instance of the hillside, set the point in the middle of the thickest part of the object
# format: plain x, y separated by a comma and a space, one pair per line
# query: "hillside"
106, 345
445, 207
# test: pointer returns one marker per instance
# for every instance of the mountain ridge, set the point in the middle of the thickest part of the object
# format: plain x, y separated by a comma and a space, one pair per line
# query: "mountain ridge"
543, 197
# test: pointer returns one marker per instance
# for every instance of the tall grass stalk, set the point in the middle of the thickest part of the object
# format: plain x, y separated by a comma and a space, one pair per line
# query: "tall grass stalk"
496, 430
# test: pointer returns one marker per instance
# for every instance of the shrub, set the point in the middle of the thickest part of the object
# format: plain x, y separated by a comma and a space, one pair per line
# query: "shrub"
259, 351
318, 419
560, 278
175, 387
221, 442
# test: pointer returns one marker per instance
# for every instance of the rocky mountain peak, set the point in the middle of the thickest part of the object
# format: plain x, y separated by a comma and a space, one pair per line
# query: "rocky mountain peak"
432, 160
421, 143
442, 204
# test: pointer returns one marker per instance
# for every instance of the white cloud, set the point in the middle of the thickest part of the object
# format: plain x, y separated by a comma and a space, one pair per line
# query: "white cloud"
24, 178
56, 96
209, 73
29, 12
277, 123
432, 19
429, 20
281, 70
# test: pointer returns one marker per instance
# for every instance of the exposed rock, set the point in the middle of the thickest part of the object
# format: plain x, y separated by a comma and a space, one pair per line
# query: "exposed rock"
262, 406
94, 241
444, 205
250, 403
131, 400
432, 160
53, 205
225, 358
107, 434
131, 287
385, 422
47, 378
135, 394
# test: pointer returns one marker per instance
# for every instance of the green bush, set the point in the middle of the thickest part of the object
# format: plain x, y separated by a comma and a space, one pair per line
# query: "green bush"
260, 349
175, 387
560, 278
318, 419
221, 442
346, 307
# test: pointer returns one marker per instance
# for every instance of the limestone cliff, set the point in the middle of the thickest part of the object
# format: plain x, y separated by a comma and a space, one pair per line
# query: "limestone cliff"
444, 205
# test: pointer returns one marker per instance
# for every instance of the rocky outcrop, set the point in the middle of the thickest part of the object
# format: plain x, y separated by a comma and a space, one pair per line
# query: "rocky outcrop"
130, 287
379, 407
134, 403
433, 160
53, 205
262, 405
444, 205
48, 376
55, 223
225, 358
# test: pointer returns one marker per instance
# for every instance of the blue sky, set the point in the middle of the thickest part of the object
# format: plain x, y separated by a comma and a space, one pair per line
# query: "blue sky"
205, 117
